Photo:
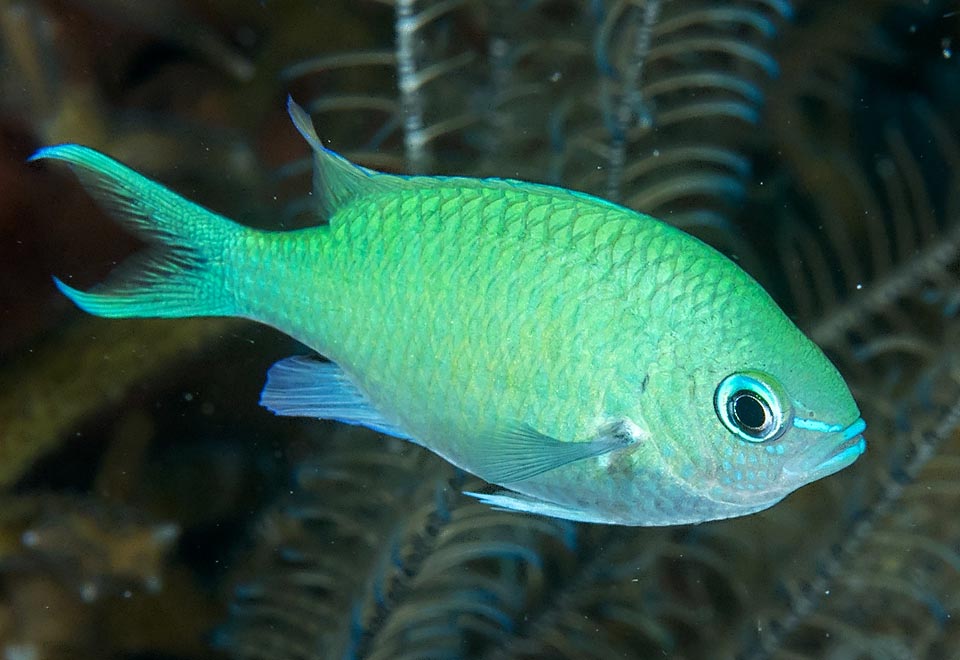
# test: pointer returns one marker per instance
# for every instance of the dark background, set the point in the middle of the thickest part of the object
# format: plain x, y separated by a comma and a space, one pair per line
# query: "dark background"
152, 509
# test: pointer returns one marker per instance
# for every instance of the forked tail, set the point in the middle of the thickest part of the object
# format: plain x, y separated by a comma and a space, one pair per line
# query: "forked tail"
185, 272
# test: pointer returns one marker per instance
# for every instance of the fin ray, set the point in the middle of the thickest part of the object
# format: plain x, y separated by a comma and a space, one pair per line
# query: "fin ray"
336, 180
518, 452
180, 274
302, 386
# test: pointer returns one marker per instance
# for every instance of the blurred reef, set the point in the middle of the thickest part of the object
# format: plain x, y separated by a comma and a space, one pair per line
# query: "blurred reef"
151, 509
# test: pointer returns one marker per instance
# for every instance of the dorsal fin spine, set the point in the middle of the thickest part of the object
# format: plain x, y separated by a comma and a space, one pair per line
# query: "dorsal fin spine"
336, 180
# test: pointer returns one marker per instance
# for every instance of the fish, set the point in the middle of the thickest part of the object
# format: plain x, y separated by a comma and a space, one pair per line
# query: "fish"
589, 362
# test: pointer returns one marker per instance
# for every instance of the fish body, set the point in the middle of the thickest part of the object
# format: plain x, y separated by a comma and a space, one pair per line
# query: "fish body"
600, 365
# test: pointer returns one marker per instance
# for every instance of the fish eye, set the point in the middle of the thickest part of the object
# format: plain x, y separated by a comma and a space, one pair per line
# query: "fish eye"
752, 405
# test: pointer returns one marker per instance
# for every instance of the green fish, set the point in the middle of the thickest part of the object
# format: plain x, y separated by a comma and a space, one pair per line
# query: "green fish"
598, 364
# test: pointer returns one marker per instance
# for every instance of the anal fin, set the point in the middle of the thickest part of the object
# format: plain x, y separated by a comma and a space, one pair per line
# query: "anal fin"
302, 386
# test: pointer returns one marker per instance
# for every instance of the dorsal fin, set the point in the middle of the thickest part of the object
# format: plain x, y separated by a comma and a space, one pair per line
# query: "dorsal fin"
335, 179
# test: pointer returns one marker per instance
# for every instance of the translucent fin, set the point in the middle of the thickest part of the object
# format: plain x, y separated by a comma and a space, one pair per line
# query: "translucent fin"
520, 452
183, 272
301, 386
335, 179
507, 500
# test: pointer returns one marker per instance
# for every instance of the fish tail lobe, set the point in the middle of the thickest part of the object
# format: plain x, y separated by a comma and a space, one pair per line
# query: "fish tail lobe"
184, 272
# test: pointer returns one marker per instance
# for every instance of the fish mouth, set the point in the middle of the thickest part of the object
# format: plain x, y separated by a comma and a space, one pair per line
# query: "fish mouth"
851, 445
810, 466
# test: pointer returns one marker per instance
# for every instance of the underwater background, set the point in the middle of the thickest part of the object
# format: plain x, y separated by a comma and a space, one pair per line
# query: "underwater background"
151, 509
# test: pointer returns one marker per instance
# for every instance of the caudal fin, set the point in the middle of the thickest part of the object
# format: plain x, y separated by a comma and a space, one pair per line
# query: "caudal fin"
182, 273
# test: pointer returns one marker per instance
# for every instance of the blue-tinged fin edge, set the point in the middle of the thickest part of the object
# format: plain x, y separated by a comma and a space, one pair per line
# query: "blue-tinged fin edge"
508, 500
302, 386
181, 274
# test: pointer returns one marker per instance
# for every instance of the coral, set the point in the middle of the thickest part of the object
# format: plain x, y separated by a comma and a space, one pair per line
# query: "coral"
97, 547
91, 366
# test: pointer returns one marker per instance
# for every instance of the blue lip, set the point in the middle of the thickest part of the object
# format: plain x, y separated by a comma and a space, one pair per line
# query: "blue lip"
849, 445
850, 449
855, 429
851, 431
845, 456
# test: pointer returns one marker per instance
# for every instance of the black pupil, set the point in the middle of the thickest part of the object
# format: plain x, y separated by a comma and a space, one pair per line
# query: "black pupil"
749, 412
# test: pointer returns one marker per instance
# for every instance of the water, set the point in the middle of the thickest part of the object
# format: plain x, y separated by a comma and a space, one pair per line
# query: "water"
152, 509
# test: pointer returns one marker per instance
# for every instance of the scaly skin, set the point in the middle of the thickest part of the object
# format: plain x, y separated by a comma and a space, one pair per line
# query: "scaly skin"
465, 310
460, 306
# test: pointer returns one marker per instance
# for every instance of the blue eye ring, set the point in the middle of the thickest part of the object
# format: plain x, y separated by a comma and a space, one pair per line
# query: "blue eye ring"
752, 405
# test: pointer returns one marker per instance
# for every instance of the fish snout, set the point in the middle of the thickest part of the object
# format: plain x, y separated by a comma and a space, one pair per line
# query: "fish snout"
840, 447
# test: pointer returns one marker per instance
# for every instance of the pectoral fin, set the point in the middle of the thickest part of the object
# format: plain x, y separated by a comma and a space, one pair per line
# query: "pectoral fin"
519, 452
302, 386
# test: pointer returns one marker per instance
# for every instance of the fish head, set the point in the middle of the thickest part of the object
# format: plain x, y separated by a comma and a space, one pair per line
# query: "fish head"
777, 433
765, 412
